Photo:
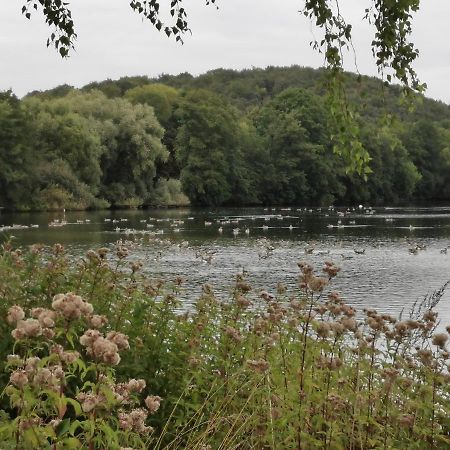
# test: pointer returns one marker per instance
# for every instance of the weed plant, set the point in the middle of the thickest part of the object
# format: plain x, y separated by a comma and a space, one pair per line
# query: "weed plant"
98, 356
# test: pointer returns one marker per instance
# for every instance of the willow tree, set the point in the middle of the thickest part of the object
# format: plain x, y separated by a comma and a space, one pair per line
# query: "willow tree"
392, 48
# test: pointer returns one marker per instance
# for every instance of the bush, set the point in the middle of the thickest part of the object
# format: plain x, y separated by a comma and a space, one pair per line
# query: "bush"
169, 193
263, 370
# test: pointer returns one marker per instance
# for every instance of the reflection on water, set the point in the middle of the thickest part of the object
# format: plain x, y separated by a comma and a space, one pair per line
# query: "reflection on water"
390, 257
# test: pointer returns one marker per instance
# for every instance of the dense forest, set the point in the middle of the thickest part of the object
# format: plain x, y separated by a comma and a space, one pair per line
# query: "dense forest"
258, 136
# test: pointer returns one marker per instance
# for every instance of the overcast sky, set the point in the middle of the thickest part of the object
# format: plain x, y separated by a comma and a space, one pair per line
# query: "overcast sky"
113, 42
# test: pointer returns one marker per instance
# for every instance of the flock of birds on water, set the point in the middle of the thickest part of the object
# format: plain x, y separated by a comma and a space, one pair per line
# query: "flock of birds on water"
153, 226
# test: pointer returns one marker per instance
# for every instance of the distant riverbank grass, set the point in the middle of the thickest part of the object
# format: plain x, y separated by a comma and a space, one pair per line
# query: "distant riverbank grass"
93, 353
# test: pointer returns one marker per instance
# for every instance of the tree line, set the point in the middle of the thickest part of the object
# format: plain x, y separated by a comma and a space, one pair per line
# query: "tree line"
226, 137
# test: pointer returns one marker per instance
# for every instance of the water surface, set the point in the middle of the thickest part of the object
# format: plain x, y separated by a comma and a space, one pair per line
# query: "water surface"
378, 249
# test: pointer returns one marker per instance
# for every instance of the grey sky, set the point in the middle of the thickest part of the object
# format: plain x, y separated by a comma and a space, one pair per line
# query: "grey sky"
114, 42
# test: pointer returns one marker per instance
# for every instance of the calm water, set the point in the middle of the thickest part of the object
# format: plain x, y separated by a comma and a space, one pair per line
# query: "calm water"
387, 276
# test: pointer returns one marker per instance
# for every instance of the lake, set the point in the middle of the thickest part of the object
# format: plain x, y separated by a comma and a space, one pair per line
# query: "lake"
390, 257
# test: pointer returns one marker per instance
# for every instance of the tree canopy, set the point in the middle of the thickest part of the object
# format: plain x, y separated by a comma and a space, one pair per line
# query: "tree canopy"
392, 48
249, 137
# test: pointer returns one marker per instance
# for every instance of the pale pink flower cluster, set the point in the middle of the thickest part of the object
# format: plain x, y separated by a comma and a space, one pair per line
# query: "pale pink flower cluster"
97, 321
259, 365
104, 349
26, 329
46, 317
15, 314
71, 306
41, 323
90, 401
153, 402
49, 377
67, 357
134, 421
123, 391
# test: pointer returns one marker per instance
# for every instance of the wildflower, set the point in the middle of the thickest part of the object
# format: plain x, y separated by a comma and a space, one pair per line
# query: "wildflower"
426, 356
243, 286
15, 314
103, 349
135, 385
97, 321
31, 365
102, 252
323, 329
349, 323
317, 284
406, 421
121, 252
412, 324
440, 339
153, 402
71, 306
430, 316
233, 333
136, 266
330, 269
334, 297
273, 339
259, 365
337, 327
92, 256
266, 296
243, 302
305, 267
119, 339
281, 288
58, 249
19, 378
88, 401
321, 309
401, 328
46, 317
134, 421
27, 329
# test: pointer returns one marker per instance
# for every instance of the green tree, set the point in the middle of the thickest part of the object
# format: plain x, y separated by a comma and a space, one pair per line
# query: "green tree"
301, 167
209, 151
17, 160
132, 137
428, 146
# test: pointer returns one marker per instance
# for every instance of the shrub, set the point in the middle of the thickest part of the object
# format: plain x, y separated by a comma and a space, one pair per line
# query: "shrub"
286, 369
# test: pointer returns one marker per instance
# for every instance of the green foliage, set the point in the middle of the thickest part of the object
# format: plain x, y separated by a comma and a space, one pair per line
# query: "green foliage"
209, 150
159, 96
290, 369
229, 137
300, 162
169, 193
